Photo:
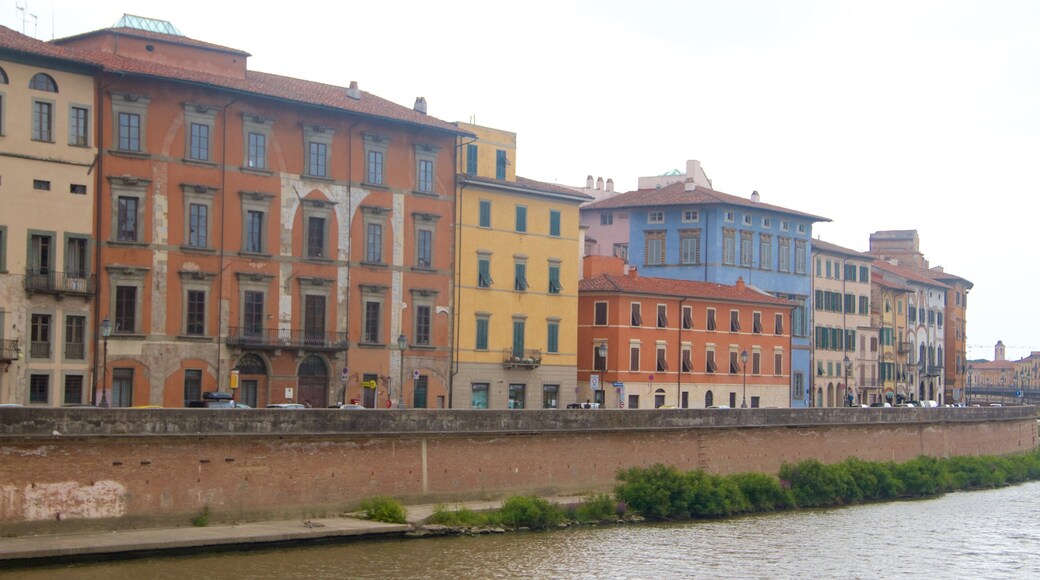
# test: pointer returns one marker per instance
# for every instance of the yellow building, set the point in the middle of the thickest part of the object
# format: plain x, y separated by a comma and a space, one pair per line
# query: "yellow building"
889, 317
517, 269
47, 269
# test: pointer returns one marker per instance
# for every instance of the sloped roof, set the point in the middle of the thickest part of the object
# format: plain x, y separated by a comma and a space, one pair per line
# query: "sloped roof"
911, 275
17, 42
529, 184
622, 284
676, 194
836, 249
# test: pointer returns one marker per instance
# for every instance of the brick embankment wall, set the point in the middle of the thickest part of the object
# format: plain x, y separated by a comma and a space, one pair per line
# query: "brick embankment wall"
66, 469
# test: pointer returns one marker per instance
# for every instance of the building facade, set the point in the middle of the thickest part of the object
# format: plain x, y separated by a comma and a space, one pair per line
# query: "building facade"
281, 236
888, 315
653, 342
688, 232
518, 248
47, 271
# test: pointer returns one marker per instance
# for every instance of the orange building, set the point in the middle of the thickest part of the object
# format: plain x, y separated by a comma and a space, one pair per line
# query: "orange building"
294, 232
654, 342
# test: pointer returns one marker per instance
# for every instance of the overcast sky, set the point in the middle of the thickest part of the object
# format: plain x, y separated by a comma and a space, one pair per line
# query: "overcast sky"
878, 115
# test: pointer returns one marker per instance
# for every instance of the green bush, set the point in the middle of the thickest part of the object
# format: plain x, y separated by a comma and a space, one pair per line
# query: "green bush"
460, 517
814, 484
201, 520
596, 508
529, 512
763, 492
714, 496
659, 492
384, 509
921, 477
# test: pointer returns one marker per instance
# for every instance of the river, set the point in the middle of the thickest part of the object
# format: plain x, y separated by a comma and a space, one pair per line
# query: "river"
978, 535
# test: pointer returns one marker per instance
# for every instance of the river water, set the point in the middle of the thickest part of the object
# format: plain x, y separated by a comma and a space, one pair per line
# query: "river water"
980, 534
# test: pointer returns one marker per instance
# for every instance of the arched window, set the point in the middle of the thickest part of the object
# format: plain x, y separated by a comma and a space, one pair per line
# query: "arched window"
709, 399
43, 82
251, 364
313, 381
3, 76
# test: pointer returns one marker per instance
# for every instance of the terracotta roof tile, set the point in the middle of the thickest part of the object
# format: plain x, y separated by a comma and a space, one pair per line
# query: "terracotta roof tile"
908, 273
525, 183
619, 283
836, 249
157, 36
676, 194
14, 41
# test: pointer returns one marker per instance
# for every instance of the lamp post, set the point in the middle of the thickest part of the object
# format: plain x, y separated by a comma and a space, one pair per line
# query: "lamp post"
106, 331
967, 390
402, 342
848, 390
743, 364
602, 350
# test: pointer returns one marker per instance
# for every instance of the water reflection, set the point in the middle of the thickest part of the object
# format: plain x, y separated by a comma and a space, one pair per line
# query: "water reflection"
985, 534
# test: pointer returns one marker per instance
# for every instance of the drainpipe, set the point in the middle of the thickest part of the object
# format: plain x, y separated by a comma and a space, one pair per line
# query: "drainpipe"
678, 378
223, 219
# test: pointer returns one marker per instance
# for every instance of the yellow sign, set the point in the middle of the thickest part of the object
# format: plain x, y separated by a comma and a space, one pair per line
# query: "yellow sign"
369, 384
234, 379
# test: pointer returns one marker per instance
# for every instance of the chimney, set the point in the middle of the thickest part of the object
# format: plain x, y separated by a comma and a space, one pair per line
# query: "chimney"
689, 186
610, 184
633, 272
599, 183
353, 92
420, 105
589, 182
740, 284
755, 197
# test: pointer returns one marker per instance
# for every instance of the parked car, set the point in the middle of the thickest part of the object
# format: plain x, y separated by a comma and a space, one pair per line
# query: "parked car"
352, 407
929, 404
214, 400
287, 406
884, 405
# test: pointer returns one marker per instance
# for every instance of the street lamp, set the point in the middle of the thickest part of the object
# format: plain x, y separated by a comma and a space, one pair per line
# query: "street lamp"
743, 363
402, 342
106, 331
602, 350
848, 390
967, 393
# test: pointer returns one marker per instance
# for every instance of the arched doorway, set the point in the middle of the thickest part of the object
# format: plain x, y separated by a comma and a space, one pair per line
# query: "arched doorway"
252, 379
830, 394
819, 396
658, 398
313, 382
709, 399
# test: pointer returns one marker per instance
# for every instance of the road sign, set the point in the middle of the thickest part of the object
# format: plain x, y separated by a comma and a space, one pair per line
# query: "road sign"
1018, 394
619, 385
415, 374
594, 382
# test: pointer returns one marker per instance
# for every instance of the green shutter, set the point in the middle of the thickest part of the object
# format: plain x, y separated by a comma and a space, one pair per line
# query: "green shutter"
554, 223
485, 213
471, 159
482, 333
554, 337
518, 338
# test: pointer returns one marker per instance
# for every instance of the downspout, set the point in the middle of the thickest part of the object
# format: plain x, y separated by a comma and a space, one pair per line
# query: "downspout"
350, 248
223, 217
457, 277
678, 378
812, 327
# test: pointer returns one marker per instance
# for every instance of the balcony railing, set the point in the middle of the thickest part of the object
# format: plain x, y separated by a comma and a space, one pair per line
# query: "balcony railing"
51, 282
904, 347
933, 370
9, 349
528, 358
40, 349
75, 350
277, 339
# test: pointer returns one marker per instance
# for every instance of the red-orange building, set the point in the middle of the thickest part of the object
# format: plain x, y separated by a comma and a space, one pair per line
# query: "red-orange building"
285, 229
653, 342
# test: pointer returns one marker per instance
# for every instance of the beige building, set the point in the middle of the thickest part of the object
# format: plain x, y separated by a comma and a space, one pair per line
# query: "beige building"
844, 341
47, 270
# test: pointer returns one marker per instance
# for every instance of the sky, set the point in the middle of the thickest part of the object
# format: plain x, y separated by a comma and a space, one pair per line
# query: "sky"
879, 115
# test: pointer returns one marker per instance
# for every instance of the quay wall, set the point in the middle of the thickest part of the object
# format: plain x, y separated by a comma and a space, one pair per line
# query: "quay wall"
84, 468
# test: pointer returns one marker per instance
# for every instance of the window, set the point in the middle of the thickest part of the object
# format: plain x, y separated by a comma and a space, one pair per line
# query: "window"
485, 213
734, 321
317, 159
122, 388
314, 316
373, 310
785, 225
600, 316
799, 256
710, 319
687, 359
687, 317
828, 268
484, 271
690, 246
500, 164
198, 146
599, 360
256, 135
662, 316
43, 82
552, 341
655, 217
727, 216
471, 159
637, 314
75, 337
778, 325
633, 357
756, 323
423, 324
621, 251
375, 153
425, 175
784, 254
729, 246
662, 360
482, 332
40, 336
606, 219
254, 232
520, 276
756, 363
43, 121
425, 162
79, 124
424, 248
550, 395
479, 396
256, 153
778, 363
746, 249
734, 362
315, 237
76, 257
521, 218
78, 188
374, 243
746, 219
765, 252
655, 248
126, 310
554, 223
198, 225
39, 389
192, 385
73, 390
127, 225
690, 215
519, 332
554, 278
3, 248
864, 273
850, 272
195, 323
516, 396
129, 132
253, 313
709, 361
41, 185
864, 305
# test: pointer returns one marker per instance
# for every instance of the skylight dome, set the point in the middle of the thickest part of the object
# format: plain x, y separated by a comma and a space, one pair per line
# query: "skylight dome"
149, 24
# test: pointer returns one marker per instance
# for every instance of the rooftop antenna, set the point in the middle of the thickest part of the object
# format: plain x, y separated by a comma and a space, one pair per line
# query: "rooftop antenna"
23, 8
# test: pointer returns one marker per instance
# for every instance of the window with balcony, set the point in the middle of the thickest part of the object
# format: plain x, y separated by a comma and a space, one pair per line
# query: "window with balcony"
75, 337
40, 336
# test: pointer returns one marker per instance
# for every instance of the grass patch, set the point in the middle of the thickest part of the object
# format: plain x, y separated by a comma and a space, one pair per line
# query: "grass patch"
384, 509
201, 520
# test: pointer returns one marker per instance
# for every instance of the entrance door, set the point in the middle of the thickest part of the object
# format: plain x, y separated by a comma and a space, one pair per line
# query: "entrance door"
314, 319
313, 382
420, 392
252, 373
368, 396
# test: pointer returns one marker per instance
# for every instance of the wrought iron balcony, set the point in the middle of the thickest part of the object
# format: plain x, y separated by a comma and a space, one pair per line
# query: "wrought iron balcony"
60, 283
278, 339
904, 347
9, 349
933, 370
528, 358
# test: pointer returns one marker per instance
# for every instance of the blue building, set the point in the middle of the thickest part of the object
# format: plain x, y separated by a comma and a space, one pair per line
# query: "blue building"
690, 232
